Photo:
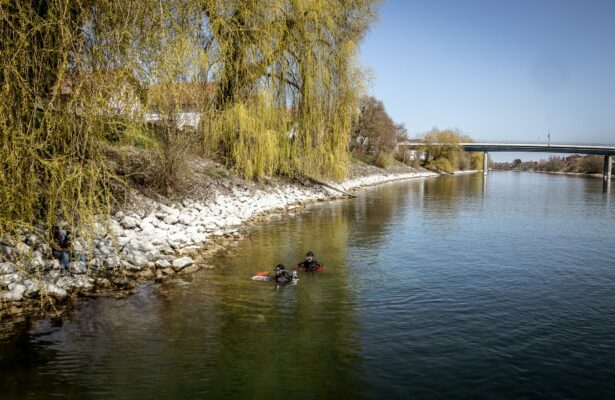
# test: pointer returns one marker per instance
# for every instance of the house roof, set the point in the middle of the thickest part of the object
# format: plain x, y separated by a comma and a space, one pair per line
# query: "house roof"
180, 95
99, 81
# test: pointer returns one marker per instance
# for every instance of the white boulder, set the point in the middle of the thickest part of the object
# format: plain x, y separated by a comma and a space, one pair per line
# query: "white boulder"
55, 291
162, 264
171, 219
129, 222
15, 293
182, 262
6, 268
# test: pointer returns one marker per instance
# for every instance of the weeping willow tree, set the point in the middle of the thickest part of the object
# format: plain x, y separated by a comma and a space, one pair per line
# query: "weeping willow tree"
443, 153
287, 83
68, 82
276, 82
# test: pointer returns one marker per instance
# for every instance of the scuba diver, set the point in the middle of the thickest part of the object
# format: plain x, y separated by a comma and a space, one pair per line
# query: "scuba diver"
282, 277
310, 264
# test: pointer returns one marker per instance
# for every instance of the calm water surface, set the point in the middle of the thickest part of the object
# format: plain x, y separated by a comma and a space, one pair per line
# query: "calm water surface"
449, 288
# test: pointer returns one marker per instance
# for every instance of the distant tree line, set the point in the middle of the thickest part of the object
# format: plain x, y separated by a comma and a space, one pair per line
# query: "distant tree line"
577, 163
374, 134
374, 137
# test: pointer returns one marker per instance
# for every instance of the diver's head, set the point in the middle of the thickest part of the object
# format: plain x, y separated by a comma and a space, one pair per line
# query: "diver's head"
309, 256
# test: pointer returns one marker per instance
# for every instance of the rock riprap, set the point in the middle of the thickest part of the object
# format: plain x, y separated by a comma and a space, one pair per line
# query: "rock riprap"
150, 241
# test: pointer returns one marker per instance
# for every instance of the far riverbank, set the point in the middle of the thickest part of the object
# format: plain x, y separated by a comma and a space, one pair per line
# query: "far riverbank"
580, 174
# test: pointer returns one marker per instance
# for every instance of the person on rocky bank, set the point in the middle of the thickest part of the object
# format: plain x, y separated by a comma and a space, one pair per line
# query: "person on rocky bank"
61, 247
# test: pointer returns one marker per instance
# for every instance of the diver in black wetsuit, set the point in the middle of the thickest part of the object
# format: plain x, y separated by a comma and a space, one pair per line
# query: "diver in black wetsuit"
282, 276
309, 264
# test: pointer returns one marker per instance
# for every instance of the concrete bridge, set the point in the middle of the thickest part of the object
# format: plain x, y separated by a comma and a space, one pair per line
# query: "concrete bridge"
605, 150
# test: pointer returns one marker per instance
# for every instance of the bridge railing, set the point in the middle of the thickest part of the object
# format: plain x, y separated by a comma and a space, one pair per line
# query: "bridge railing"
532, 142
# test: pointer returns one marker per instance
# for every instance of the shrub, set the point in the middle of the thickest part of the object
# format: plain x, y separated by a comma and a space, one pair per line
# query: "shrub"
591, 164
163, 168
442, 164
384, 160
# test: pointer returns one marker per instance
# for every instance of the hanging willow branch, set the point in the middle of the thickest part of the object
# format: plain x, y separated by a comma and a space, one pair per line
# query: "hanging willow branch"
276, 82
299, 58
66, 68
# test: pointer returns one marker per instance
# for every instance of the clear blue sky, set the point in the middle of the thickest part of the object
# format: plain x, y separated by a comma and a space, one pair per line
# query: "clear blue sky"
497, 70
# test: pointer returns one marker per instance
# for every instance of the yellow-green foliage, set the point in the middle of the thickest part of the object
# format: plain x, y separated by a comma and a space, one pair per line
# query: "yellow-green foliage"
256, 136
444, 154
469, 160
302, 54
276, 80
49, 146
384, 160
442, 164
140, 137
68, 86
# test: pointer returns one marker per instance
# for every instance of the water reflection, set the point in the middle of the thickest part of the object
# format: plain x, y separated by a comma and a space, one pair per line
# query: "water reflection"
390, 203
299, 340
444, 197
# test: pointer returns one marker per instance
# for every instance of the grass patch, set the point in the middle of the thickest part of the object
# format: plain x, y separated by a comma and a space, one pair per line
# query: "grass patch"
215, 172
141, 137
384, 161
368, 159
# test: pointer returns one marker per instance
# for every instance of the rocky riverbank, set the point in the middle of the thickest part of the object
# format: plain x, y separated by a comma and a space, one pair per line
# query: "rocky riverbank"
154, 240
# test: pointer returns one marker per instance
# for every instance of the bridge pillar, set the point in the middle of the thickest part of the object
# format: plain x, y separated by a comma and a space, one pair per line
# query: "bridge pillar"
485, 163
608, 167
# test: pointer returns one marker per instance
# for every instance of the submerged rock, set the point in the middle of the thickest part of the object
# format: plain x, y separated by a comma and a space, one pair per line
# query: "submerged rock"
55, 291
190, 250
147, 274
181, 263
103, 283
191, 269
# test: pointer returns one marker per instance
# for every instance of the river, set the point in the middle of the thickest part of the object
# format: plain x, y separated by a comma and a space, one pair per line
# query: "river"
449, 287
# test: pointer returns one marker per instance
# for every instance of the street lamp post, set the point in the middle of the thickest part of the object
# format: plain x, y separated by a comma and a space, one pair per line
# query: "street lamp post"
549, 134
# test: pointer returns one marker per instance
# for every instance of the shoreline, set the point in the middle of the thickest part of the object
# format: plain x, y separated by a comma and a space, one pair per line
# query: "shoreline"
578, 174
153, 241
